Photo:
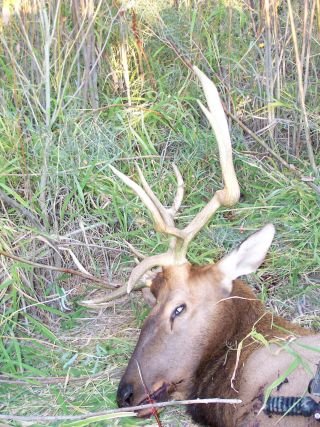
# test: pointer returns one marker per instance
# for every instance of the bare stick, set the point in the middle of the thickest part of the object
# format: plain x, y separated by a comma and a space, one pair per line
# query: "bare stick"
154, 411
269, 66
130, 409
45, 24
123, 28
62, 270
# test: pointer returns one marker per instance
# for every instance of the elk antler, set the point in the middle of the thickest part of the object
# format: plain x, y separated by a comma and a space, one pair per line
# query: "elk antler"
164, 217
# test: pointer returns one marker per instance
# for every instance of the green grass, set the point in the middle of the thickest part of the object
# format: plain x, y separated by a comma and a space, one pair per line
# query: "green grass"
44, 332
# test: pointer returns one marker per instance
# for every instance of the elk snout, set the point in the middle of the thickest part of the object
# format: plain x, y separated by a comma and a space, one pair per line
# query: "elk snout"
124, 395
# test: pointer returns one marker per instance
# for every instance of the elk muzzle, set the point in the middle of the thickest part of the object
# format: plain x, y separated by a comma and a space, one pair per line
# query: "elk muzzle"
124, 395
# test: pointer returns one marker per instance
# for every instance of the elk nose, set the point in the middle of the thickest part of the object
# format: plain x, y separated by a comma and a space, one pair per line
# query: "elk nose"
124, 395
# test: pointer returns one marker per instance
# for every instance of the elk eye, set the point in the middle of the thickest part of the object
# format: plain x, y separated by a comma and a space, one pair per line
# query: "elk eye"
177, 311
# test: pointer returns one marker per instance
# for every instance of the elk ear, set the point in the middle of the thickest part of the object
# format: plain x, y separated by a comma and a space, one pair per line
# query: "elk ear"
247, 257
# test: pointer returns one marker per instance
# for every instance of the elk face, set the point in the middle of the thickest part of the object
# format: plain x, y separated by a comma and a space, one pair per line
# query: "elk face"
187, 319
173, 337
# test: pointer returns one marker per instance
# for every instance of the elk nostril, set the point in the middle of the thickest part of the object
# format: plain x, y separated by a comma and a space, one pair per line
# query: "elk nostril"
125, 394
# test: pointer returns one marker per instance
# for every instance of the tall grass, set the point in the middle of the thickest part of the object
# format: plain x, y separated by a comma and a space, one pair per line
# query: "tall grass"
86, 84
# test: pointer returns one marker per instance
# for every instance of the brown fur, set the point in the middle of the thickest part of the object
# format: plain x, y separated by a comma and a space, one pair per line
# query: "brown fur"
196, 355
213, 376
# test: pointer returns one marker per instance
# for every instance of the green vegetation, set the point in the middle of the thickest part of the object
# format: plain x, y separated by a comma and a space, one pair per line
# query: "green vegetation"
82, 89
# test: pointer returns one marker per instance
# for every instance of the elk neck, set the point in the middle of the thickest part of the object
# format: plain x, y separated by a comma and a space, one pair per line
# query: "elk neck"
240, 315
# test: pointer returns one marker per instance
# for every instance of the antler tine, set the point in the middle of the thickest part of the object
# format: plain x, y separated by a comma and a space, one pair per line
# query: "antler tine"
217, 118
168, 214
180, 192
97, 302
168, 219
157, 217
105, 300
159, 222
147, 264
230, 194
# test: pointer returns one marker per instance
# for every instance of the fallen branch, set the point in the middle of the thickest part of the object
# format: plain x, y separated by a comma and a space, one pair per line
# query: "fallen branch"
60, 269
44, 418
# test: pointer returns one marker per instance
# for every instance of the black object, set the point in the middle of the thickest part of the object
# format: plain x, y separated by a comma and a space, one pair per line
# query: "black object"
304, 406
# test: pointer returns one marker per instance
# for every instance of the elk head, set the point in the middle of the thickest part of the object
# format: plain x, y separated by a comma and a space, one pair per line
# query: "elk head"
187, 298
191, 318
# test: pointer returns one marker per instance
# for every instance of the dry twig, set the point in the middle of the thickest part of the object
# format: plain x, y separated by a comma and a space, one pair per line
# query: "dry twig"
130, 409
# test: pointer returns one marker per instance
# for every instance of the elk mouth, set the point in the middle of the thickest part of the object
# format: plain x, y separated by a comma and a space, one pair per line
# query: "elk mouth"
159, 395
